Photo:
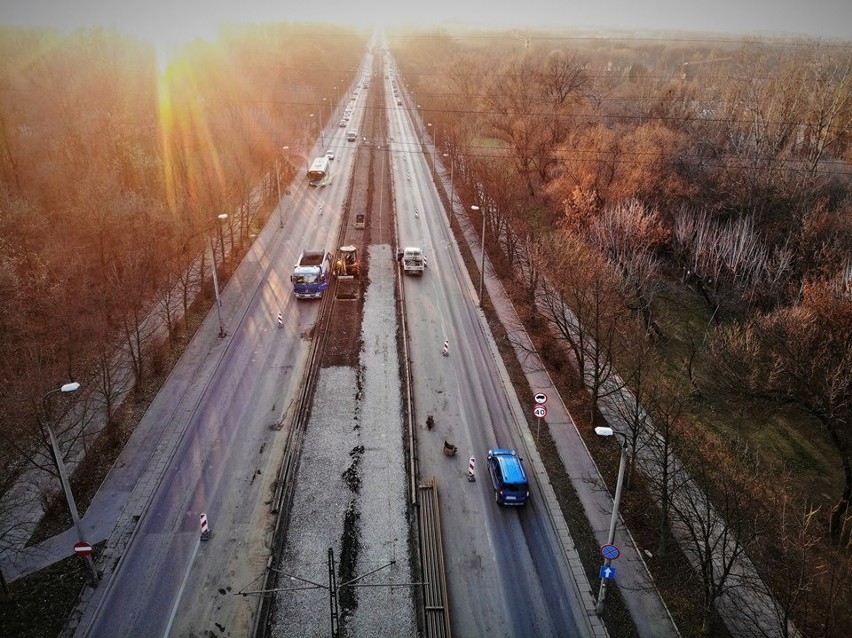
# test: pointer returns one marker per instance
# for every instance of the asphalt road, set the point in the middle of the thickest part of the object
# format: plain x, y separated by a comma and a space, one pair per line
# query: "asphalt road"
168, 581
506, 574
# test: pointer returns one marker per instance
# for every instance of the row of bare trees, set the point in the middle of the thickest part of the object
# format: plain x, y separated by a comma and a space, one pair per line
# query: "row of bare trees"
112, 175
686, 237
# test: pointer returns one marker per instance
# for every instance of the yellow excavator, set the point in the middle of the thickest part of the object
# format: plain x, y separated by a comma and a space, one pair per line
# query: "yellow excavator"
346, 264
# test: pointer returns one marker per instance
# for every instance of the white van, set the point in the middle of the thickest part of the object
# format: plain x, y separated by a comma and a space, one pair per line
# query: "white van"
413, 261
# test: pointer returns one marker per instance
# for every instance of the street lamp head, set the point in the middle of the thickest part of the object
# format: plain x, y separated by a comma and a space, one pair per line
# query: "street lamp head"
474, 207
223, 216
604, 431
70, 387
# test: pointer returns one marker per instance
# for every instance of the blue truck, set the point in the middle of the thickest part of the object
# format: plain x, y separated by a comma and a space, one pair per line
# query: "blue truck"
312, 274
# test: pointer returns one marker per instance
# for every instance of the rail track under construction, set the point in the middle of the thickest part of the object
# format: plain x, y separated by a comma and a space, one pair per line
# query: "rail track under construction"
336, 341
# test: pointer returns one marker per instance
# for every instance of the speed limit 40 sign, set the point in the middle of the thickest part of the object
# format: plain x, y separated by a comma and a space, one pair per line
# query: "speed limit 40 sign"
540, 411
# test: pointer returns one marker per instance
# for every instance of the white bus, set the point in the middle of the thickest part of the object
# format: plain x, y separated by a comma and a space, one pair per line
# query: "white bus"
318, 171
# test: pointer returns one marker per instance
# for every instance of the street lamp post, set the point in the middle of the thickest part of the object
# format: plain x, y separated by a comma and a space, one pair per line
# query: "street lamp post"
616, 501
433, 131
278, 182
222, 333
452, 184
308, 139
63, 475
482, 261
337, 104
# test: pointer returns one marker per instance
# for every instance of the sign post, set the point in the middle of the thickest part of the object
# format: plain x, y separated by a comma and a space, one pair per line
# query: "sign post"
539, 411
610, 552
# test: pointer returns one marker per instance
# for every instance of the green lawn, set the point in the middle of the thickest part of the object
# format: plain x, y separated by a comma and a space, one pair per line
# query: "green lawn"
784, 440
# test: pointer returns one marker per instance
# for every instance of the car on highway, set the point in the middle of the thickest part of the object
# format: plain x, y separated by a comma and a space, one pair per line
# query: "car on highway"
329, 154
508, 477
352, 136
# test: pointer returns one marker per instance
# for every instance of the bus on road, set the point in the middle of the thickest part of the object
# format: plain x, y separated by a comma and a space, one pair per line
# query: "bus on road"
318, 171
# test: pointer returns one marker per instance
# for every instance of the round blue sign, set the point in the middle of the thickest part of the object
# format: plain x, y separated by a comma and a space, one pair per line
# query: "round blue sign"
610, 552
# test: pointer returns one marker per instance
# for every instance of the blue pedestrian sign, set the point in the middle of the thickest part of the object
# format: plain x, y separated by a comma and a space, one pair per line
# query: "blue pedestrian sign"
610, 552
607, 572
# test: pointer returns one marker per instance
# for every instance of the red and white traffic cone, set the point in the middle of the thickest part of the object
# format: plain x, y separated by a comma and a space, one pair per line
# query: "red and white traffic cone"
280, 321
445, 350
205, 528
471, 469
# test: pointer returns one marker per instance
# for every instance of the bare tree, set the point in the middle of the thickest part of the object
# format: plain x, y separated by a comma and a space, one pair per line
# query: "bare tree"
728, 263
579, 297
629, 235
639, 369
529, 102
792, 560
718, 518
667, 410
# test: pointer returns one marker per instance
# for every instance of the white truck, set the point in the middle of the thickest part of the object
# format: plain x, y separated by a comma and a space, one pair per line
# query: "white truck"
413, 260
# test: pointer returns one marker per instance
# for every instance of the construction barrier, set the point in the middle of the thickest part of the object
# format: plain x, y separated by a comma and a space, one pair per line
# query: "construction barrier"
471, 469
205, 528
446, 349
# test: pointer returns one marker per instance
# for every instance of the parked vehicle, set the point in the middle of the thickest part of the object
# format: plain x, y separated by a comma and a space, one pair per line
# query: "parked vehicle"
311, 274
508, 477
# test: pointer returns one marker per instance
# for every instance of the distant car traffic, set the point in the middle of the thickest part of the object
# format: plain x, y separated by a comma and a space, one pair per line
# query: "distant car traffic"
329, 154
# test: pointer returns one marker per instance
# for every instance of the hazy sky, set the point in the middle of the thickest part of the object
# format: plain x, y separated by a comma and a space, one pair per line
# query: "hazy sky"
178, 21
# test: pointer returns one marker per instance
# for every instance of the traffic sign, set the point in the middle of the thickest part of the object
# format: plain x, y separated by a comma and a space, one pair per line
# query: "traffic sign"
540, 398
540, 411
610, 552
82, 549
607, 572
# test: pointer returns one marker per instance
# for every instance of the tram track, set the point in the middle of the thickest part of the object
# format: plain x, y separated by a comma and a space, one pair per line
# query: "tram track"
336, 341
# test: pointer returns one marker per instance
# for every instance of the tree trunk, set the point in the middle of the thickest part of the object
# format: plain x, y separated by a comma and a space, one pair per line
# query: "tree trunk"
838, 512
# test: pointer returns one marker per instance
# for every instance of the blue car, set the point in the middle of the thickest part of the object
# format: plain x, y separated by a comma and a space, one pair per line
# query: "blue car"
508, 477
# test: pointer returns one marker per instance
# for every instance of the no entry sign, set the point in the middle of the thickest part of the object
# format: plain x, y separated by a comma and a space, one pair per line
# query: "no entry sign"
82, 549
